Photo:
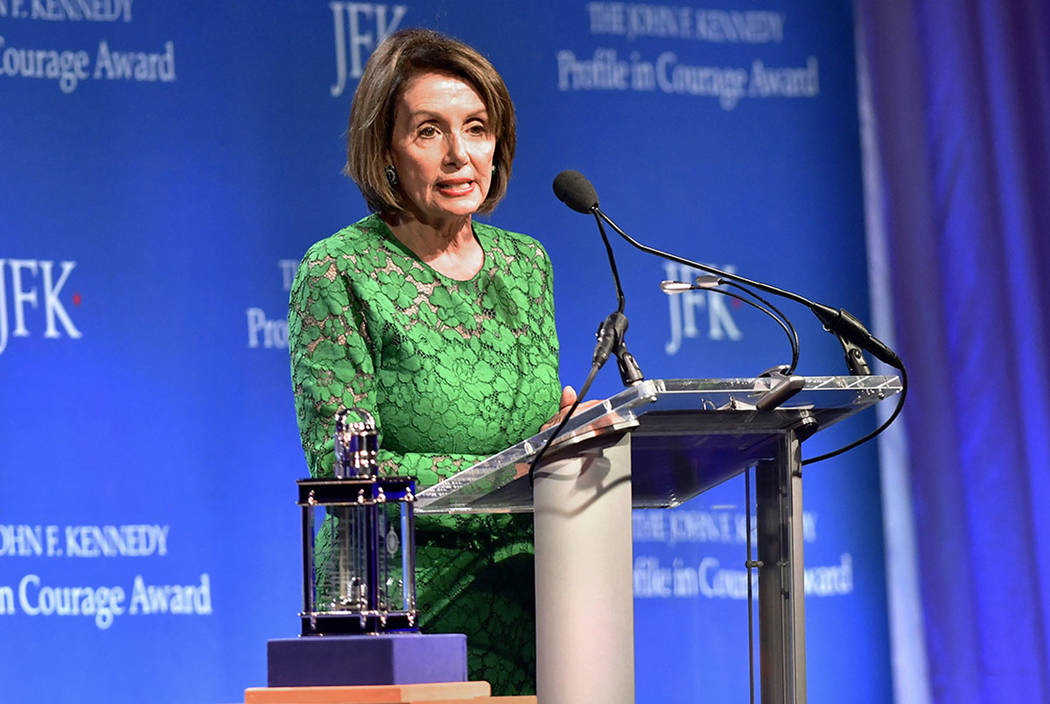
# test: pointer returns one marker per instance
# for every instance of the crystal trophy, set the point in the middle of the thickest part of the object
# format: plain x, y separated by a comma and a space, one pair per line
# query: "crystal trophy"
358, 540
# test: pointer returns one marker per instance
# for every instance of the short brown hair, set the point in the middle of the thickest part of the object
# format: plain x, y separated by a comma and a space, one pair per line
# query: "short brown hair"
400, 57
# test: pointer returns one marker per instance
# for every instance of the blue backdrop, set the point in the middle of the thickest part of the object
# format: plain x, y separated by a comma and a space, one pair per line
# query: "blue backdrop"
164, 167
961, 95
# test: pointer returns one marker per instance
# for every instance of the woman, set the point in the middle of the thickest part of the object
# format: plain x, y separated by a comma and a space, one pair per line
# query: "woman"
442, 327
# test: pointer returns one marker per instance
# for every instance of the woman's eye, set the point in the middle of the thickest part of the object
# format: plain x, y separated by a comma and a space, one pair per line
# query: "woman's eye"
427, 131
477, 129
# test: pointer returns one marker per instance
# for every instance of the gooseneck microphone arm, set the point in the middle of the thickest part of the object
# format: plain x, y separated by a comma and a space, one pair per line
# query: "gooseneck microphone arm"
838, 322
630, 373
578, 193
612, 265
711, 283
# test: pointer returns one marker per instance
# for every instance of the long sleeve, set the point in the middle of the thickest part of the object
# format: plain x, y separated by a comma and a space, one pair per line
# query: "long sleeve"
332, 367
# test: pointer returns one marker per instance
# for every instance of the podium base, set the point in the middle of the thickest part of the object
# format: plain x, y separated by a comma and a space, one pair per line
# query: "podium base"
386, 659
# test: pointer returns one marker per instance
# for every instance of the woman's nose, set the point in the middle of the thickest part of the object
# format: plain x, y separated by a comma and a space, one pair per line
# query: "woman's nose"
456, 152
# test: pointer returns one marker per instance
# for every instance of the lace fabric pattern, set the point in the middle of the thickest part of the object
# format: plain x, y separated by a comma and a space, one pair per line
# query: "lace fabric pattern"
453, 371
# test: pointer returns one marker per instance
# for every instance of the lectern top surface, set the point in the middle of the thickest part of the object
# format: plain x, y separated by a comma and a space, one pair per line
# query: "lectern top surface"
686, 436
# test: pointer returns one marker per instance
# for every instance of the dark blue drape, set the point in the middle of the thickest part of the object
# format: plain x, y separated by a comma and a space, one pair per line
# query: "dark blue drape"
961, 96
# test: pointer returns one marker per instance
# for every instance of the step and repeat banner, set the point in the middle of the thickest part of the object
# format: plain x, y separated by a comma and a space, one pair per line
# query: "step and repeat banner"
163, 167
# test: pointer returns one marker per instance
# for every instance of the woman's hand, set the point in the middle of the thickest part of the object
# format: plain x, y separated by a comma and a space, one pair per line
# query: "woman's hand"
568, 397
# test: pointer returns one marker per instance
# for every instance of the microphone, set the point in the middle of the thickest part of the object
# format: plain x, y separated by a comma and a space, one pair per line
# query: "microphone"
573, 189
701, 282
676, 287
578, 193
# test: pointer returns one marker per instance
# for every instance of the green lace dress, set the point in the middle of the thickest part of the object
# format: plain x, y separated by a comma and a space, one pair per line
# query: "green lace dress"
453, 371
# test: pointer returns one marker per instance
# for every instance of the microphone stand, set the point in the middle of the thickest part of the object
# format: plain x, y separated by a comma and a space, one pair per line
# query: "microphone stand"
573, 188
847, 328
611, 340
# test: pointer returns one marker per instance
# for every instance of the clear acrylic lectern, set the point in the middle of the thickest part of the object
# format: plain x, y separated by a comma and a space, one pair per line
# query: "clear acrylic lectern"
656, 445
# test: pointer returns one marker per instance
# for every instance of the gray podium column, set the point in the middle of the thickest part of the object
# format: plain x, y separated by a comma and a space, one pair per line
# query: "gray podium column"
584, 590
781, 580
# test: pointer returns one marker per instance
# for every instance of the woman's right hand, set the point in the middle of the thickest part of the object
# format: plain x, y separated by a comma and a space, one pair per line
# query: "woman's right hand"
568, 397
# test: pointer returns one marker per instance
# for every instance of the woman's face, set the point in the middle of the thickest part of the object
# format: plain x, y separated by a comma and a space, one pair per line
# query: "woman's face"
442, 147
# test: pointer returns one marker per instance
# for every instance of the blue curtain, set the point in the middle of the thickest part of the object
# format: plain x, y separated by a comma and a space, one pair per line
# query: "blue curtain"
961, 99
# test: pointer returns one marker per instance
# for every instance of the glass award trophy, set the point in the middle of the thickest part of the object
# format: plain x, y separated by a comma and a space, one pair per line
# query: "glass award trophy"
358, 540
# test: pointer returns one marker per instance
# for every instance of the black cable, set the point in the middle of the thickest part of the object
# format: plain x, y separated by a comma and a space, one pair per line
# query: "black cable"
557, 431
772, 312
860, 441
893, 416
594, 367
793, 334
793, 337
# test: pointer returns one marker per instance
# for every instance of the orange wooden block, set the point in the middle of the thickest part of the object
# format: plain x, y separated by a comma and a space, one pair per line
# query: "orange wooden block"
472, 692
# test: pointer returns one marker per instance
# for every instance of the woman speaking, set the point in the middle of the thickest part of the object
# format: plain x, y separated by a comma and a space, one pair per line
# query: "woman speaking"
440, 326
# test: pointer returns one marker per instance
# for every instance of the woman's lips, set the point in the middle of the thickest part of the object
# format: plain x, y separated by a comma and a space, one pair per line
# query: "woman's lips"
456, 187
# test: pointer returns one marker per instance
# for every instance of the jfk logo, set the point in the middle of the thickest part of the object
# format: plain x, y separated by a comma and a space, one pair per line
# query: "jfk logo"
359, 27
687, 311
34, 283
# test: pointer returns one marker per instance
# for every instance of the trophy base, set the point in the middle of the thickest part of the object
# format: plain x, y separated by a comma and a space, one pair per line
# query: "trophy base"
386, 658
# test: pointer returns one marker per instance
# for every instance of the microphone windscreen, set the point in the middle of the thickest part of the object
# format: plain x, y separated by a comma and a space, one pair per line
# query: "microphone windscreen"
573, 189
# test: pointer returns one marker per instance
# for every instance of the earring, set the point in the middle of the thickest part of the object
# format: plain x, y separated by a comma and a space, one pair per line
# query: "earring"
391, 175
493, 169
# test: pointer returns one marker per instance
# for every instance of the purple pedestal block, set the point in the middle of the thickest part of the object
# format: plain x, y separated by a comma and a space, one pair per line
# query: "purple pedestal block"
400, 658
